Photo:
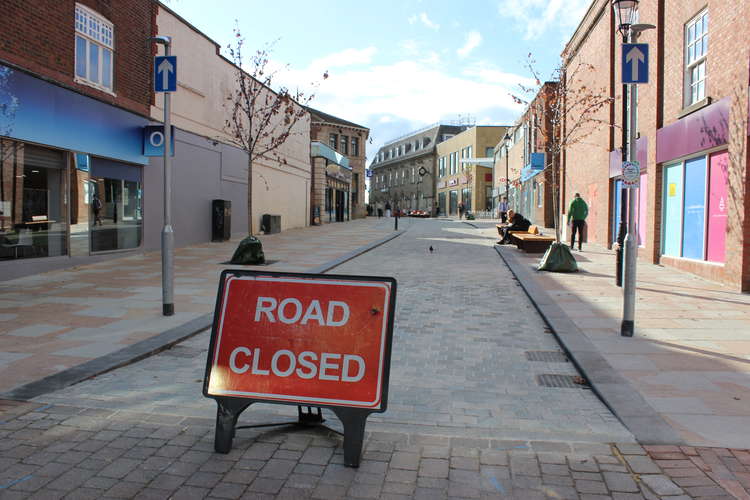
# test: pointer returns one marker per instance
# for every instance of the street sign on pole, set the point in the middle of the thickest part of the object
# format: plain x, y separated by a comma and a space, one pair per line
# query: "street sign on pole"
165, 73
634, 63
153, 140
631, 174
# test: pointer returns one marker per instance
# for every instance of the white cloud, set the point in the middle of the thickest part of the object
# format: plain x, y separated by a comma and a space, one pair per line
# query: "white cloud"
427, 22
536, 17
473, 40
347, 57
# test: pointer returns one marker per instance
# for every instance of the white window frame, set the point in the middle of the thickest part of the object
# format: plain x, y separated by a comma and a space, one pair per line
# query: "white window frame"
696, 55
94, 30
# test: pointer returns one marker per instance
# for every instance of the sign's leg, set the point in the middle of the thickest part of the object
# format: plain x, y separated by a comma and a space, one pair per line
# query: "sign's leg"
227, 413
354, 421
308, 417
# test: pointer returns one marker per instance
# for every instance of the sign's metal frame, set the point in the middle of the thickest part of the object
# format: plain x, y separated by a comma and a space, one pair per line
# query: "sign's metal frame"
353, 419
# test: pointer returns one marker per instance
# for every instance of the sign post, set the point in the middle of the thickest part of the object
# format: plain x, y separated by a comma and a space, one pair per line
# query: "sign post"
634, 72
311, 340
165, 80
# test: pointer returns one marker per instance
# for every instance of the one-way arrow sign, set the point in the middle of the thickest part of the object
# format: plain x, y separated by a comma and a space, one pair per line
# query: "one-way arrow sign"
165, 73
634, 63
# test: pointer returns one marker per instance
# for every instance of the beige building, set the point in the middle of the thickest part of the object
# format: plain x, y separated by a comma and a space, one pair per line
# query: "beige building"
205, 79
338, 184
464, 170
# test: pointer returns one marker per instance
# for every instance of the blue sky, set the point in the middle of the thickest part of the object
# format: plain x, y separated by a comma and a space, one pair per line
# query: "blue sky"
396, 66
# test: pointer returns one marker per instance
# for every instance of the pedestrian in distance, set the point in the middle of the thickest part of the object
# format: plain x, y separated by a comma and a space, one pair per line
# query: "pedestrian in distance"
96, 205
502, 209
460, 210
577, 213
387, 209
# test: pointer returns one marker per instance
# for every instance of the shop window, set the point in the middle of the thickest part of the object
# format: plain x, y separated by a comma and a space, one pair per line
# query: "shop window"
441, 203
695, 208
453, 200
94, 48
33, 208
116, 205
539, 195
466, 199
696, 51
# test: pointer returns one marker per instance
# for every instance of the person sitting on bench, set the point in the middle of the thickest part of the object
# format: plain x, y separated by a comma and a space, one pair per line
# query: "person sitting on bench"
519, 223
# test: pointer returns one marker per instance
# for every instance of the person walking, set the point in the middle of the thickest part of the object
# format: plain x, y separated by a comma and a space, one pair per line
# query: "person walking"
502, 209
460, 210
387, 208
577, 213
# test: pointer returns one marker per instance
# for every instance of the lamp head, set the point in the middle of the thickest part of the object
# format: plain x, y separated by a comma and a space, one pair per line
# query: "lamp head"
625, 12
162, 39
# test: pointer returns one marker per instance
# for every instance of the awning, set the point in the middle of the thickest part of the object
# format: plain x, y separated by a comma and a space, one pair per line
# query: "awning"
535, 166
320, 150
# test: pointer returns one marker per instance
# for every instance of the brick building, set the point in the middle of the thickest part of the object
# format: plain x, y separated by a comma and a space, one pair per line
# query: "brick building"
530, 161
692, 126
404, 170
75, 88
342, 199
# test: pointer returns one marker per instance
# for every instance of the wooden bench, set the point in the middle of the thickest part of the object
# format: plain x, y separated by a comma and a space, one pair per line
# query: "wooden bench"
531, 241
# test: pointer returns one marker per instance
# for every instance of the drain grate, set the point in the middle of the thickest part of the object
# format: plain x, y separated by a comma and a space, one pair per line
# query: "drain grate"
562, 381
548, 356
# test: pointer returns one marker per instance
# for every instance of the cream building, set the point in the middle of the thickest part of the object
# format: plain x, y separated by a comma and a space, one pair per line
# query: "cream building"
205, 152
464, 171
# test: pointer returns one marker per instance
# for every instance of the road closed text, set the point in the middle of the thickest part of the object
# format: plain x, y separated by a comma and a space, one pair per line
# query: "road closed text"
305, 365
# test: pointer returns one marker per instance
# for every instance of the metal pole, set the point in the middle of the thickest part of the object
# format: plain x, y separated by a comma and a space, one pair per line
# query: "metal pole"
631, 242
623, 193
507, 187
167, 234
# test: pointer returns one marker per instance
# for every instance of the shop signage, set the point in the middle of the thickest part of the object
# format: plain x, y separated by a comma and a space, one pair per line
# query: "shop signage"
165, 73
82, 162
301, 339
631, 174
453, 182
153, 140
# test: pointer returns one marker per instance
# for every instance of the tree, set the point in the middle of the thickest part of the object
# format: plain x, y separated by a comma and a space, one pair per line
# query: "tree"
260, 120
570, 111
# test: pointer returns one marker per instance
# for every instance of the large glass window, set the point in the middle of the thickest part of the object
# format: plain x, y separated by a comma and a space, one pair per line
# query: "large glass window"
33, 208
116, 198
695, 208
696, 50
441, 203
94, 44
466, 198
453, 197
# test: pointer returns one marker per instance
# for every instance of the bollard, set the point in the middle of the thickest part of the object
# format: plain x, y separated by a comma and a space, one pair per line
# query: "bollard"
395, 222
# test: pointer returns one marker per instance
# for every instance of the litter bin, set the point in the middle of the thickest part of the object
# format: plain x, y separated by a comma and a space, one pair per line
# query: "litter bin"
270, 224
221, 220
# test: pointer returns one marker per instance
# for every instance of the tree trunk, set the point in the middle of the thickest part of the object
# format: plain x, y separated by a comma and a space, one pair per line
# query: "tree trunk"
249, 196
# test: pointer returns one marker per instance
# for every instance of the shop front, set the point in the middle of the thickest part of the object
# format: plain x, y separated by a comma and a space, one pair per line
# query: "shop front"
71, 172
696, 199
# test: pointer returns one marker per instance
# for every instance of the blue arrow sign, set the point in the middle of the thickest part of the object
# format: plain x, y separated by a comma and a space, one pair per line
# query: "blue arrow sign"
634, 63
165, 73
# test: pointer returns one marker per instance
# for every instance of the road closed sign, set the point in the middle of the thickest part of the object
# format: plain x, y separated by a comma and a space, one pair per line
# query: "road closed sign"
320, 340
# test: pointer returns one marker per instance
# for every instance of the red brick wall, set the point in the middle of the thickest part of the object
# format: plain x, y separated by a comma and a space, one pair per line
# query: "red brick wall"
586, 167
39, 36
727, 76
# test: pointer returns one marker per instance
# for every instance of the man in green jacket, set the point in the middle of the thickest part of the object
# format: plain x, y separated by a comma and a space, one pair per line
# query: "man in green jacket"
577, 212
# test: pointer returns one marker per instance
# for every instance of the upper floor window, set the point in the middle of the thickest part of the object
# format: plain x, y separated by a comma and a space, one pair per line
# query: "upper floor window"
355, 146
344, 144
94, 48
489, 152
333, 140
696, 49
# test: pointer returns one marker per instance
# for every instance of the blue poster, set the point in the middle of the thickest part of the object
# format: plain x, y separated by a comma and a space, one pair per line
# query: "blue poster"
694, 218
673, 193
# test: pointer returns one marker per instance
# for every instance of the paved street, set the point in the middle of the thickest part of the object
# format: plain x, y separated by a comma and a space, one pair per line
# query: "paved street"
468, 416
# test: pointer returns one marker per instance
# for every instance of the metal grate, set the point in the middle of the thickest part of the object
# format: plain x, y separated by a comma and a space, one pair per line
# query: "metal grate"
562, 381
548, 356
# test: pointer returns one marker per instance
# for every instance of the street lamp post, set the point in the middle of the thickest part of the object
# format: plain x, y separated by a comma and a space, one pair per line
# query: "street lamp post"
625, 15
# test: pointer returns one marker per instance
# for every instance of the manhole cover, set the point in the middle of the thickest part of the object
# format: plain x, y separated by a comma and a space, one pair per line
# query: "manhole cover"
562, 381
548, 356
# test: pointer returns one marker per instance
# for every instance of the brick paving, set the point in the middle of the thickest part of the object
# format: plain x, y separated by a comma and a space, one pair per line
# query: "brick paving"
466, 417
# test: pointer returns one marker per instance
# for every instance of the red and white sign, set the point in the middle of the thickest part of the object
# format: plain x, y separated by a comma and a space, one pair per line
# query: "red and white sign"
313, 340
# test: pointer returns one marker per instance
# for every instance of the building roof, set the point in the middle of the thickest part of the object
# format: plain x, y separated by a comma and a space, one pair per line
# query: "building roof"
433, 134
319, 116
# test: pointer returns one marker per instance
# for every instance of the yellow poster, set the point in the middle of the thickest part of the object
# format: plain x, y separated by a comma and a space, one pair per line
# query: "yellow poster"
672, 189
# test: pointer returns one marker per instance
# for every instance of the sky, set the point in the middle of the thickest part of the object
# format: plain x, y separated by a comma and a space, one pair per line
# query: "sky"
398, 66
